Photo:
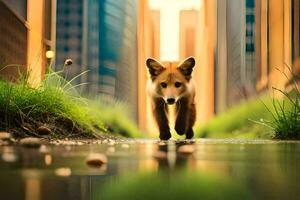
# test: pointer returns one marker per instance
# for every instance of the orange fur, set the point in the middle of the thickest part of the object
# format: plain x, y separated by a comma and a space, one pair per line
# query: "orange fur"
171, 83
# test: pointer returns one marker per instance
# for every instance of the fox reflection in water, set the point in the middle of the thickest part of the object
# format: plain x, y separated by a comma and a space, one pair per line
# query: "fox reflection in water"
172, 157
175, 178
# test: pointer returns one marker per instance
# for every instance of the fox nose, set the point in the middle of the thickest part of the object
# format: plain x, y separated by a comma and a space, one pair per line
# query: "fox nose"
170, 100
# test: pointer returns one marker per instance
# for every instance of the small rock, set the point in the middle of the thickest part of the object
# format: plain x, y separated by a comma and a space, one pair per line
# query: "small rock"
162, 143
44, 149
160, 155
9, 157
96, 160
79, 143
63, 171
105, 141
43, 130
111, 142
13, 140
5, 136
31, 142
48, 159
186, 149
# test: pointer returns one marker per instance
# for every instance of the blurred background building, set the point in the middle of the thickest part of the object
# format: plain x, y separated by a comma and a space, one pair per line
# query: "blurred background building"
101, 37
27, 29
238, 45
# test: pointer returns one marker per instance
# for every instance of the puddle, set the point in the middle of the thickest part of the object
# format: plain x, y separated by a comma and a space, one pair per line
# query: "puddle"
149, 169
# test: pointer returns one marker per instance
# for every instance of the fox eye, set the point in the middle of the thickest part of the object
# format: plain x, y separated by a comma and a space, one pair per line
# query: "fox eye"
178, 84
163, 85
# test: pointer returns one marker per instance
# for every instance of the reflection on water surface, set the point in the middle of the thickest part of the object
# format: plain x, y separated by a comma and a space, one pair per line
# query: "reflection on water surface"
149, 169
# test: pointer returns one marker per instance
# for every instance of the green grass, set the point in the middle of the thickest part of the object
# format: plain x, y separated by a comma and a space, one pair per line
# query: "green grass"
57, 104
247, 120
266, 117
286, 115
116, 116
285, 112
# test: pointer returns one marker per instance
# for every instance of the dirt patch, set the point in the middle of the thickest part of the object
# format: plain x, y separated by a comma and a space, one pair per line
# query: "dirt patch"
48, 127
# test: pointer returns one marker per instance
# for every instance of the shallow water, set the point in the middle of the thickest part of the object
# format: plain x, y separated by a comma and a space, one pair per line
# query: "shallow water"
218, 169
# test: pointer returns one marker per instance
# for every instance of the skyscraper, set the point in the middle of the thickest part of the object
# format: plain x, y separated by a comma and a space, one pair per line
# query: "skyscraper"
101, 37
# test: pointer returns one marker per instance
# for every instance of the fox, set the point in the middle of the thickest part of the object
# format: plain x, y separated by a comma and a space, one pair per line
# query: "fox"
171, 83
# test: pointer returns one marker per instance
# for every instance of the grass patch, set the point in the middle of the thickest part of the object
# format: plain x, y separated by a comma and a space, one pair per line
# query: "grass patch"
286, 115
57, 105
285, 112
116, 116
277, 118
246, 120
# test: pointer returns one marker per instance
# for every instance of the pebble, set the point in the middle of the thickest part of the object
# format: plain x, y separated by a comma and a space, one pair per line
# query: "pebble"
5, 136
63, 171
43, 130
44, 149
161, 143
105, 141
111, 143
96, 160
186, 149
3, 143
9, 157
31, 142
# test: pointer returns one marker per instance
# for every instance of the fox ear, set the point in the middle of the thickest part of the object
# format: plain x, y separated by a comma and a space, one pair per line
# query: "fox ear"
186, 67
154, 67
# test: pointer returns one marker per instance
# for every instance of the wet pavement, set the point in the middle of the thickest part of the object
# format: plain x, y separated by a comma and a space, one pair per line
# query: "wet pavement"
149, 169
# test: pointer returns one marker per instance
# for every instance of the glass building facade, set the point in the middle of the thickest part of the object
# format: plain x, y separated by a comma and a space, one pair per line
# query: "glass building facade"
100, 36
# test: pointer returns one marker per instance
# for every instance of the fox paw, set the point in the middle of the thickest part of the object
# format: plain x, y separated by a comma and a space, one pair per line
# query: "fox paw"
165, 135
189, 134
180, 129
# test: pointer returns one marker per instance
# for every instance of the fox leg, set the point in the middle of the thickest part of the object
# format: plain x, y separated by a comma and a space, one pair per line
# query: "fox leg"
191, 121
181, 121
159, 112
186, 115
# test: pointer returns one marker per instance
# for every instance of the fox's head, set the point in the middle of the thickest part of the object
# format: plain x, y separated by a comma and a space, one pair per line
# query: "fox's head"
170, 81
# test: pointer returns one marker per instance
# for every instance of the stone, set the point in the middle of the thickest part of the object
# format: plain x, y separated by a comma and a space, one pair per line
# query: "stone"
9, 157
43, 130
111, 142
63, 171
5, 136
96, 160
162, 143
31, 142
44, 149
186, 149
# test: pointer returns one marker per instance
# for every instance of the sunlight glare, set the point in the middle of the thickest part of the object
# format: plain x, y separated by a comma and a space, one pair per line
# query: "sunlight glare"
169, 24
